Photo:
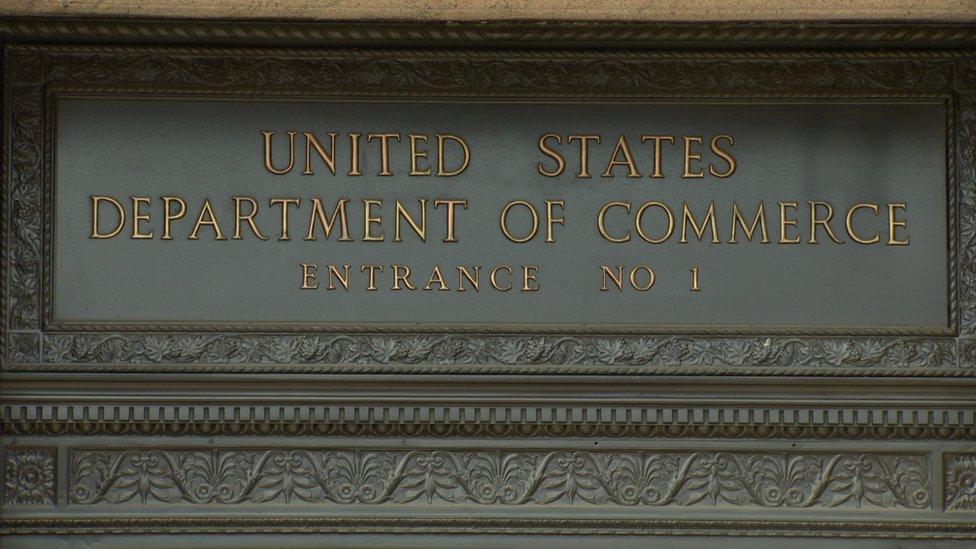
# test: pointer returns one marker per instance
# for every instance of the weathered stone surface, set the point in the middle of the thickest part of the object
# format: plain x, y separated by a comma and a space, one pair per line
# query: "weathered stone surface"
563, 10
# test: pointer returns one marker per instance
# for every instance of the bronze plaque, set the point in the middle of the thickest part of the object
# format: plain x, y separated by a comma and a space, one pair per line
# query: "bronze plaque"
703, 216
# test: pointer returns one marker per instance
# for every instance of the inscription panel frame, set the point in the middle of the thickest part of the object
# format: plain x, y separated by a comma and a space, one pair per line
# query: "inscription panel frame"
39, 74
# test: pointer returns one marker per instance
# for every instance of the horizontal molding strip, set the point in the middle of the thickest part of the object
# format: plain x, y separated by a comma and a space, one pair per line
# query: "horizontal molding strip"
541, 34
518, 406
900, 528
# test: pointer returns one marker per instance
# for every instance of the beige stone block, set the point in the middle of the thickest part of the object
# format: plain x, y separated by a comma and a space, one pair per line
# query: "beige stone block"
477, 10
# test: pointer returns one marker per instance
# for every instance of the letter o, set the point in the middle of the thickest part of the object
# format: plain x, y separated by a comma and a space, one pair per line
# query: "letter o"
650, 278
503, 221
640, 216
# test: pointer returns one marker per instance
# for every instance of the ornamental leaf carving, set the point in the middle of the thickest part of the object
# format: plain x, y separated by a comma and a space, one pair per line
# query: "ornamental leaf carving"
960, 482
967, 214
674, 351
490, 72
26, 150
28, 476
437, 477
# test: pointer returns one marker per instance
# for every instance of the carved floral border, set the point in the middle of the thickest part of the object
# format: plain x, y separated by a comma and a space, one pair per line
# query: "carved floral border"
33, 71
133, 480
622, 478
343, 476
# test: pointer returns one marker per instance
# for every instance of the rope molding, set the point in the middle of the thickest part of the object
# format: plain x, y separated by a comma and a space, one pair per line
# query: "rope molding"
533, 34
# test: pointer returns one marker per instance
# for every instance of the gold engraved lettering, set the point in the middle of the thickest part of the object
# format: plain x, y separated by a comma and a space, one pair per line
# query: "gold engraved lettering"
760, 219
284, 203
475, 280
309, 271
249, 217
584, 152
894, 224
815, 221
371, 269
369, 221
211, 220
689, 156
421, 229
528, 276
494, 278
169, 215
551, 219
724, 155
451, 216
417, 154
268, 156
687, 216
354, 168
312, 142
628, 160
650, 278
601, 221
442, 170
503, 221
617, 278
850, 224
785, 223
138, 216
560, 163
384, 150
438, 278
401, 273
96, 200
639, 221
318, 214
343, 277
657, 150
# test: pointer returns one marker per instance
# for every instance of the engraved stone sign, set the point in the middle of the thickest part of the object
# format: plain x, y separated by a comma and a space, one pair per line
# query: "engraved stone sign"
648, 216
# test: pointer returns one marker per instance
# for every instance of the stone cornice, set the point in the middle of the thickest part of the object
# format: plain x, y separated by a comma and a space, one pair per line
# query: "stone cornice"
482, 10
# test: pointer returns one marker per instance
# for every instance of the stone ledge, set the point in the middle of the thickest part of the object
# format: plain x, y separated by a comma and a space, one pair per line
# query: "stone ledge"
509, 10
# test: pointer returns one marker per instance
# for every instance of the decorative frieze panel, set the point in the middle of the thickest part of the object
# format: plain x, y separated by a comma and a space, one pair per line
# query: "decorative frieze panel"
229, 476
234, 476
441, 353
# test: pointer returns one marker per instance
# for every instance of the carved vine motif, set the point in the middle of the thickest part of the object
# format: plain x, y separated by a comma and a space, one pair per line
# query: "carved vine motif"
967, 215
627, 478
967, 74
28, 477
491, 72
463, 349
960, 482
24, 347
24, 237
